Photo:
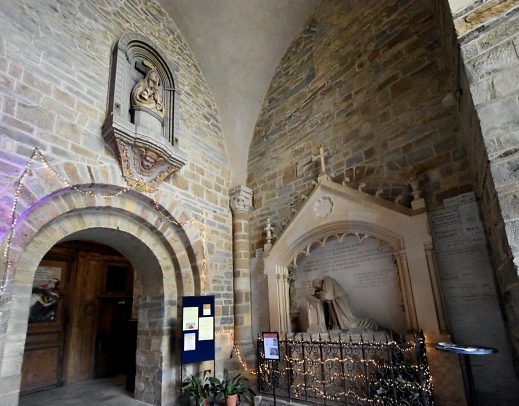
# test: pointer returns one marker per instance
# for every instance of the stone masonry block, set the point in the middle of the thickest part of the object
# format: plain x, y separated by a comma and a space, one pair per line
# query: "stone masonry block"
507, 82
512, 233
482, 91
35, 115
495, 60
499, 116
510, 205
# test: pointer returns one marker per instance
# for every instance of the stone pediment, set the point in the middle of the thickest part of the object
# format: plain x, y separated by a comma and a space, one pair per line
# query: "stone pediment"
333, 208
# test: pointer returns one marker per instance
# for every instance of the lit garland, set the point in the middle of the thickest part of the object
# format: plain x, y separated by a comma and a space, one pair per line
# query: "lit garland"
398, 382
12, 227
236, 351
38, 155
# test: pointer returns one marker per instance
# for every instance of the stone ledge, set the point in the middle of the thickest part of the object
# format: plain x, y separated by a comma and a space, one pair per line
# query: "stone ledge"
268, 401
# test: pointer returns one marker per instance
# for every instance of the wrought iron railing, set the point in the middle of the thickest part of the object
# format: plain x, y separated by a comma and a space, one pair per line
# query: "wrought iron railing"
341, 370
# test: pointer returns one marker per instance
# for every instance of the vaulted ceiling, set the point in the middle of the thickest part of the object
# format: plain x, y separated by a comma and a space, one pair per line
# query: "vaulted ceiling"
238, 44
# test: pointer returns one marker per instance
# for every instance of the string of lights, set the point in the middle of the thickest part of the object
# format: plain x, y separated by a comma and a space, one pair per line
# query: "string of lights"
236, 350
203, 277
12, 227
351, 377
200, 217
37, 155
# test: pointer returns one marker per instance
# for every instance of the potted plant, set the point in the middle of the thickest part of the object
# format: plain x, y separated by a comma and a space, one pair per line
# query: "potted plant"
231, 389
195, 388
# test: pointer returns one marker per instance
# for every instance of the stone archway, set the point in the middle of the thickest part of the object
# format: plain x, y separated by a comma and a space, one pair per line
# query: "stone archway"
161, 253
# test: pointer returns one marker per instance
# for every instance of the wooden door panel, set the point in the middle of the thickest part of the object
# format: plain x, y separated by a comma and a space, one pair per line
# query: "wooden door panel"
112, 352
81, 360
88, 327
43, 370
43, 355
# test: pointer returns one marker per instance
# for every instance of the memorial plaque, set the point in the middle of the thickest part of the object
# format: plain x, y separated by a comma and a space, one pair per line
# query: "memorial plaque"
468, 286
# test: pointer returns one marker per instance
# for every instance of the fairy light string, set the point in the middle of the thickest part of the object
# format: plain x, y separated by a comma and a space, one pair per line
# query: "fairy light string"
200, 217
37, 155
308, 368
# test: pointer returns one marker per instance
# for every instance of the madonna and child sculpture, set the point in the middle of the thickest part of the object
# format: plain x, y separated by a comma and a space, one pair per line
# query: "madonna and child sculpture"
146, 93
329, 309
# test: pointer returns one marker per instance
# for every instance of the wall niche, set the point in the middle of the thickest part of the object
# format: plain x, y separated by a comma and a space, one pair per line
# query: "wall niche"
143, 113
364, 267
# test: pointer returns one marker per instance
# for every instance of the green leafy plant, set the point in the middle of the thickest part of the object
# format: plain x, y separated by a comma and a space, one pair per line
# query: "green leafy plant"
231, 386
195, 388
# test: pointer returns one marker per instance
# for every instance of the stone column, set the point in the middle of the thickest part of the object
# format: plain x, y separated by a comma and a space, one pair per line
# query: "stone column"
240, 200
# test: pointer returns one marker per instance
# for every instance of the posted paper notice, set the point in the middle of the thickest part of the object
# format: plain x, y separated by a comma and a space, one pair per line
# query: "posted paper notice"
190, 318
206, 309
206, 328
189, 342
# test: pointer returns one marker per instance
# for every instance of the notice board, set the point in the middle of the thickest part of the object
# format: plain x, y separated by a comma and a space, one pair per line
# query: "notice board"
197, 329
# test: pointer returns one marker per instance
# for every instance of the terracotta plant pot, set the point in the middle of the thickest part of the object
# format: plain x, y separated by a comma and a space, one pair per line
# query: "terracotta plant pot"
231, 400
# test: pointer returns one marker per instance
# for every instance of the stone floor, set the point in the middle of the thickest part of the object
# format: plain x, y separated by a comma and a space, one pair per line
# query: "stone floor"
98, 392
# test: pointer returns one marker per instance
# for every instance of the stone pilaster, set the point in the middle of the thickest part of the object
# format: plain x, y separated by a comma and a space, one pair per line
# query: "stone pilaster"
240, 200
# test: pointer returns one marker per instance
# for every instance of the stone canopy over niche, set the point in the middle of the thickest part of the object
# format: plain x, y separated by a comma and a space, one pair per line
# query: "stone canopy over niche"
143, 113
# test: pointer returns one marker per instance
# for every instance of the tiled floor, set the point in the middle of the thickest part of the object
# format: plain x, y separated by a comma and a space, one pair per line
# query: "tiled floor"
98, 392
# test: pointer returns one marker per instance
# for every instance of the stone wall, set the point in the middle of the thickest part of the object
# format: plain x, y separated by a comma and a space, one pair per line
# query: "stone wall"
367, 80
488, 36
54, 76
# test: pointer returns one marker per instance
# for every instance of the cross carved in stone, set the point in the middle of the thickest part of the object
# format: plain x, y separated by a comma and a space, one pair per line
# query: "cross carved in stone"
320, 156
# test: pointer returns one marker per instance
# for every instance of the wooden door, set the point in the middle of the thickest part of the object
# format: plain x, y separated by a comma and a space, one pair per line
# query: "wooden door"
44, 345
112, 344
113, 351
84, 313
79, 318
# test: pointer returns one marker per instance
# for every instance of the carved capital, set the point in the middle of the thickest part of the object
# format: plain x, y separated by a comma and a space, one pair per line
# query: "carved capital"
240, 198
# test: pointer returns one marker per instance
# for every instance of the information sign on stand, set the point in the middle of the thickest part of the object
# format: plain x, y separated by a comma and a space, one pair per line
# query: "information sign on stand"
197, 329
271, 345
271, 352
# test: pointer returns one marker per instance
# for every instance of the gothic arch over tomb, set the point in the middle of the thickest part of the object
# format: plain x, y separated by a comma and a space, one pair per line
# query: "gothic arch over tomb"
161, 254
336, 210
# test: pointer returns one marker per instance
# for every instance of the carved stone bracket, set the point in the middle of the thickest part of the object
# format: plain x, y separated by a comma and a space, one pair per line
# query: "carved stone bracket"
145, 161
240, 198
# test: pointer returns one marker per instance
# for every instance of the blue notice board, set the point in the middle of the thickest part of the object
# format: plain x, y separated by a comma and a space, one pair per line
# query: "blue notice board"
197, 329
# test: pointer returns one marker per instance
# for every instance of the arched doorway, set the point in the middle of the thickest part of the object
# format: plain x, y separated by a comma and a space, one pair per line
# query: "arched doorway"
160, 252
82, 323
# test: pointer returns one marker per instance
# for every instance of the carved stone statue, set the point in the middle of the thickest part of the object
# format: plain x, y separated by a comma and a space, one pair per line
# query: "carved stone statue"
146, 93
269, 231
336, 306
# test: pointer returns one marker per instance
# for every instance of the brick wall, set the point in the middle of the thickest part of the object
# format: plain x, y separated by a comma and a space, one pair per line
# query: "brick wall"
367, 80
